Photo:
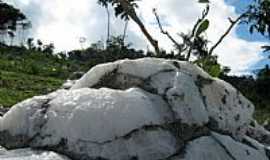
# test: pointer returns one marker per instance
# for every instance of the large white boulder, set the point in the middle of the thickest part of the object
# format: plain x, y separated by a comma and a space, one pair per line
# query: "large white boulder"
192, 94
146, 109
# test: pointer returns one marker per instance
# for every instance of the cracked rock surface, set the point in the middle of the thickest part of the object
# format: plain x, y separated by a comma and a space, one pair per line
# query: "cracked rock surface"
145, 109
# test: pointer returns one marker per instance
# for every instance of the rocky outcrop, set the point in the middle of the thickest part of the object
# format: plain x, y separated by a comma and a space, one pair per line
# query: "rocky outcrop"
146, 109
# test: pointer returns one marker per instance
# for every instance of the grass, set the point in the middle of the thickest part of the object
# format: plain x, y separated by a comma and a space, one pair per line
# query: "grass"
15, 87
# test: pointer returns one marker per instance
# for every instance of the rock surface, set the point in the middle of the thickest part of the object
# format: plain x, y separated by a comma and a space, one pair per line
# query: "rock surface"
29, 154
146, 109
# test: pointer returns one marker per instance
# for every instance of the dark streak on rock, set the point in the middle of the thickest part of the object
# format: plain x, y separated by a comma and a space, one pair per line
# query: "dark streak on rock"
267, 152
224, 99
227, 92
201, 81
237, 117
13, 141
176, 64
224, 147
44, 108
245, 141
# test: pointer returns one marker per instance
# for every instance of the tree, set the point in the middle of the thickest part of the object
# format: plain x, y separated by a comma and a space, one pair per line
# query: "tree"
125, 30
11, 36
25, 25
193, 43
104, 3
39, 44
126, 8
179, 47
30, 43
264, 73
10, 19
258, 18
49, 49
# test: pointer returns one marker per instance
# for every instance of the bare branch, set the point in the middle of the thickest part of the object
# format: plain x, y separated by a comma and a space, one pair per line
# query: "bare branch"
179, 47
233, 23
199, 21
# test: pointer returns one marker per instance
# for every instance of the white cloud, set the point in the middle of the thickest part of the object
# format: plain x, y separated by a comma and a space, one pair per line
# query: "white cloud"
63, 22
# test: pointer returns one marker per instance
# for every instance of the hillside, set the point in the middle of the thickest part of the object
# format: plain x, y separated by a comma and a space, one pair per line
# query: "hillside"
25, 73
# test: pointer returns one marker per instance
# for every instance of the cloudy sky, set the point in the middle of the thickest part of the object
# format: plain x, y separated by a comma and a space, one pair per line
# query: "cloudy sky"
63, 22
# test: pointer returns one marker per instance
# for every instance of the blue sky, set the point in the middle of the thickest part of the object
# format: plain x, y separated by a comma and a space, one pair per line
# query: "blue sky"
243, 32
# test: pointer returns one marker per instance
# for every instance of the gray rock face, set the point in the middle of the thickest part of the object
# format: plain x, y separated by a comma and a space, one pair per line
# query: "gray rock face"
146, 109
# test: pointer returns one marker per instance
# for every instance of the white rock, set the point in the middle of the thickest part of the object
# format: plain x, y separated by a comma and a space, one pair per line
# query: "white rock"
136, 109
98, 119
68, 84
142, 68
104, 114
28, 154
220, 147
144, 144
22, 118
194, 96
2, 150
186, 102
230, 110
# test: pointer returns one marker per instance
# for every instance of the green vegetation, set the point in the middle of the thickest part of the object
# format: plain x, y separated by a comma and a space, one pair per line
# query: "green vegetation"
25, 73
15, 86
35, 70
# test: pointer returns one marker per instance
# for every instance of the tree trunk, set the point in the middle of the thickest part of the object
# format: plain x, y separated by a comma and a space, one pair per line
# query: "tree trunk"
108, 26
132, 14
125, 31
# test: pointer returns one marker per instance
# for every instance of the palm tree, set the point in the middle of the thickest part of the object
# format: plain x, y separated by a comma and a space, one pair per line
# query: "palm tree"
10, 19
126, 8
105, 4
125, 30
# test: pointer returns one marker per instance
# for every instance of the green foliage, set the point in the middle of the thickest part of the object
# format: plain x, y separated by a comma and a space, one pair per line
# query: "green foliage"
210, 65
204, 25
258, 16
203, 1
195, 43
119, 10
22, 60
